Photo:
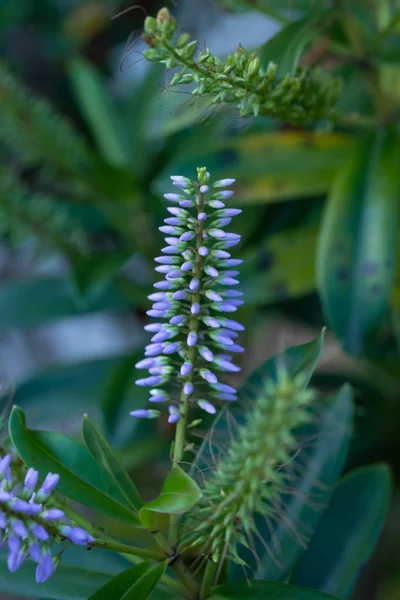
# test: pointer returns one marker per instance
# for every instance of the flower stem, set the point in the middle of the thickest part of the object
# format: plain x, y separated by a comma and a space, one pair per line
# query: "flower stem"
127, 549
208, 579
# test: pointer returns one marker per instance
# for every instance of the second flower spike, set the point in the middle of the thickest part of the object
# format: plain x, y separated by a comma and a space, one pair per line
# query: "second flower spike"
194, 336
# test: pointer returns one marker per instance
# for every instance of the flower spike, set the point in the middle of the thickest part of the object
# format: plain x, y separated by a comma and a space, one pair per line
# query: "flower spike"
192, 299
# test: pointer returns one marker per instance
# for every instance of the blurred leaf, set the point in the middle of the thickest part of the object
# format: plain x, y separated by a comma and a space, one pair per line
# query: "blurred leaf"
268, 166
286, 47
178, 495
263, 590
352, 523
270, 5
135, 583
99, 112
80, 477
109, 461
30, 302
92, 275
316, 470
115, 390
67, 582
281, 267
358, 242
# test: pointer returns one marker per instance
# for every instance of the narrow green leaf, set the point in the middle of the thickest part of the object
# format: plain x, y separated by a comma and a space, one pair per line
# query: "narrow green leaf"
352, 524
358, 242
135, 583
80, 477
98, 110
109, 461
265, 590
67, 583
286, 46
317, 468
178, 495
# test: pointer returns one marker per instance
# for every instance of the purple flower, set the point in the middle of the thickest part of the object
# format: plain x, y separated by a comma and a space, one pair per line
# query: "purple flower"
31, 480
35, 551
145, 414
192, 339
19, 529
188, 388
27, 508
49, 484
52, 514
174, 415
77, 535
197, 287
207, 406
39, 532
15, 560
45, 568
186, 368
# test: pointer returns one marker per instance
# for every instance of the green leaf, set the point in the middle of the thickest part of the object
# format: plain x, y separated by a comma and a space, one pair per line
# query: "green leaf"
268, 166
49, 299
67, 583
92, 275
99, 112
285, 48
280, 268
135, 583
265, 590
109, 461
358, 242
317, 468
352, 524
178, 495
80, 477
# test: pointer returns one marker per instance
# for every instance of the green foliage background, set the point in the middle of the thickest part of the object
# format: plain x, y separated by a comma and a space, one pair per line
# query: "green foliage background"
84, 165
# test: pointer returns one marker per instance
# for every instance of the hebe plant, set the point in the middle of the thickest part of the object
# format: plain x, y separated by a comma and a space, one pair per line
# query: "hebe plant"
249, 519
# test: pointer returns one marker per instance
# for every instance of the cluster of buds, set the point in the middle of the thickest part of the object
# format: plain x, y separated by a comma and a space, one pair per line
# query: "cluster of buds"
251, 478
29, 521
192, 301
302, 98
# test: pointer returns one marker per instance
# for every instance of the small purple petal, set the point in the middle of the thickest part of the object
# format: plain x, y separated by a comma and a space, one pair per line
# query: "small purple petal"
170, 250
214, 296
216, 204
188, 389
35, 551
3, 521
174, 415
157, 398
39, 532
225, 307
77, 535
153, 328
186, 368
207, 406
52, 514
153, 380
173, 197
179, 295
211, 271
223, 183
171, 348
202, 216
192, 339
195, 308
208, 376
178, 320
186, 204
221, 254
236, 348
49, 484
204, 189
45, 568
26, 508
211, 322
187, 236
206, 354
143, 413
194, 285
231, 324
174, 274
218, 234
227, 366
31, 479
161, 336
203, 251
14, 561
225, 194
162, 285
187, 266
20, 529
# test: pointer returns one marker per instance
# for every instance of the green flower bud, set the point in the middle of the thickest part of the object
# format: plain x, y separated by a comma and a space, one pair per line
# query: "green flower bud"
150, 25
183, 40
